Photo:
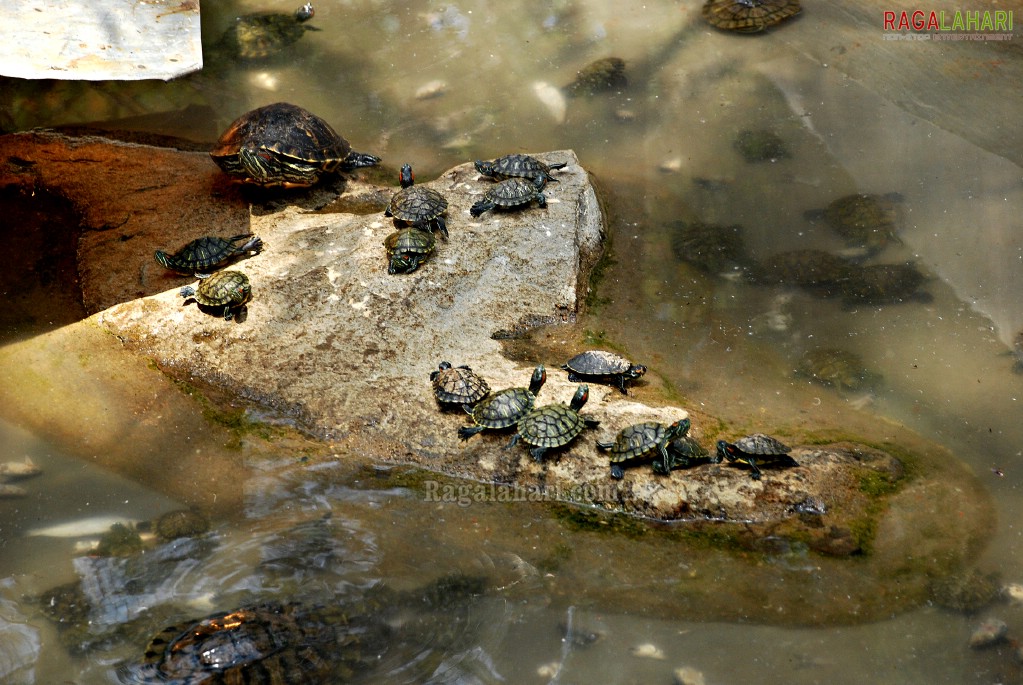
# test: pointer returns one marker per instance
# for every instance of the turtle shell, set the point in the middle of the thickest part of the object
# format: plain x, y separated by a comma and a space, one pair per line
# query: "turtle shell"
553, 425
407, 249
755, 450
227, 289
812, 269
760, 145
209, 253
519, 166
263, 34
642, 440
603, 367
864, 220
712, 247
504, 408
685, 452
599, 76
748, 16
883, 283
761, 445
421, 207
507, 194
458, 384
284, 144
834, 367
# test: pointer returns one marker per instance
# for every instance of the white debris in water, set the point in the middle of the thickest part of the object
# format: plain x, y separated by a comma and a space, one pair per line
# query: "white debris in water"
990, 632
549, 670
7, 491
553, 99
1013, 593
431, 89
81, 528
14, 470
671, 166
687, 675
648, 650
264, 80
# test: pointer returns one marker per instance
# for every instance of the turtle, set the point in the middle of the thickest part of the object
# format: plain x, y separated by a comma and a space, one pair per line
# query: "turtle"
712, 247
748, 16
207, 254
684, 452
407, 249
868, 222
754, 451
505, 407
458, 385
511, 193
760, 145
817, 271
640, 441
883, 283
599, 366
224, 289
553, 425
519, 166
834, 367
599, 76
284, 145
260, 35
417, 206
180, 523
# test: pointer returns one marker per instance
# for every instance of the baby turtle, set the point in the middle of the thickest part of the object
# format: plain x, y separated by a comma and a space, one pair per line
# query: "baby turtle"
748, 16
504, 408
754, 451
608, 368
209, 253
263, 34
229, 290
284, 145
835, 368
407, 249
685, 452
815, 270
714, 248
511, 193
519, 166
458, 384
600, 76
866, 221
553, 425
760, 145
883, 284
418, 206
641, 441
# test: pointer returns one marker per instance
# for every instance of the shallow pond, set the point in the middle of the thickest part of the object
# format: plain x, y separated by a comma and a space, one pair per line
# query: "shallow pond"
438, 84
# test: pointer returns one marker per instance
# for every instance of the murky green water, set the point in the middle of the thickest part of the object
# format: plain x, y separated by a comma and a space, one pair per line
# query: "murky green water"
857, 113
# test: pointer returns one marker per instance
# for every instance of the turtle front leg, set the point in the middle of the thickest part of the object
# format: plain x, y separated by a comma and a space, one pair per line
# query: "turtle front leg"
665, 458
755, 473
537, 453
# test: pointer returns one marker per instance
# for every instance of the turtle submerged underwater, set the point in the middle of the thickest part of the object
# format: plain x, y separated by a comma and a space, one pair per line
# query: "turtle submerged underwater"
284, 145
260, 35
748, 16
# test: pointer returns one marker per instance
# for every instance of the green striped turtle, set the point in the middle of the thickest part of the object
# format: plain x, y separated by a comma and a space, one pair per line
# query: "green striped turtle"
884, 284
553, 425
511, 193
600, 366
417, 206
641, 441
284, 145
458, 384
748, 16
209, 253
407, 249
866, 221
755, 451
519, 166
685, 452
836, 368
504, 408
224, 291
263, 34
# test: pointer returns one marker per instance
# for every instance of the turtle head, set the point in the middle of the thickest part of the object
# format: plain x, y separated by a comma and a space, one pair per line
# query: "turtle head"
635, 371
485, 168
679, 428
443, 366
538, 379
725, 451
305, 12
163, 259
582, 394
405, 177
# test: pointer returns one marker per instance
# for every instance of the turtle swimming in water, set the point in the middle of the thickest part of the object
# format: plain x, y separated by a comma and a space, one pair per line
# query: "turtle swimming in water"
261, 35
748, 16
715, 248
817, 271
641, 441
284, 145
883, 284
407, 249
224, 290
760, 145
209, 253
504, 408
866, 221
599, 76
553, 425
458, 384
599, 366
835, 368
519, 166
511, 193
755, 451
417, 206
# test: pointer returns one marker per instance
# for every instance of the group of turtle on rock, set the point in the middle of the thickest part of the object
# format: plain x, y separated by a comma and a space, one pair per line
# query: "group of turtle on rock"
554, 426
